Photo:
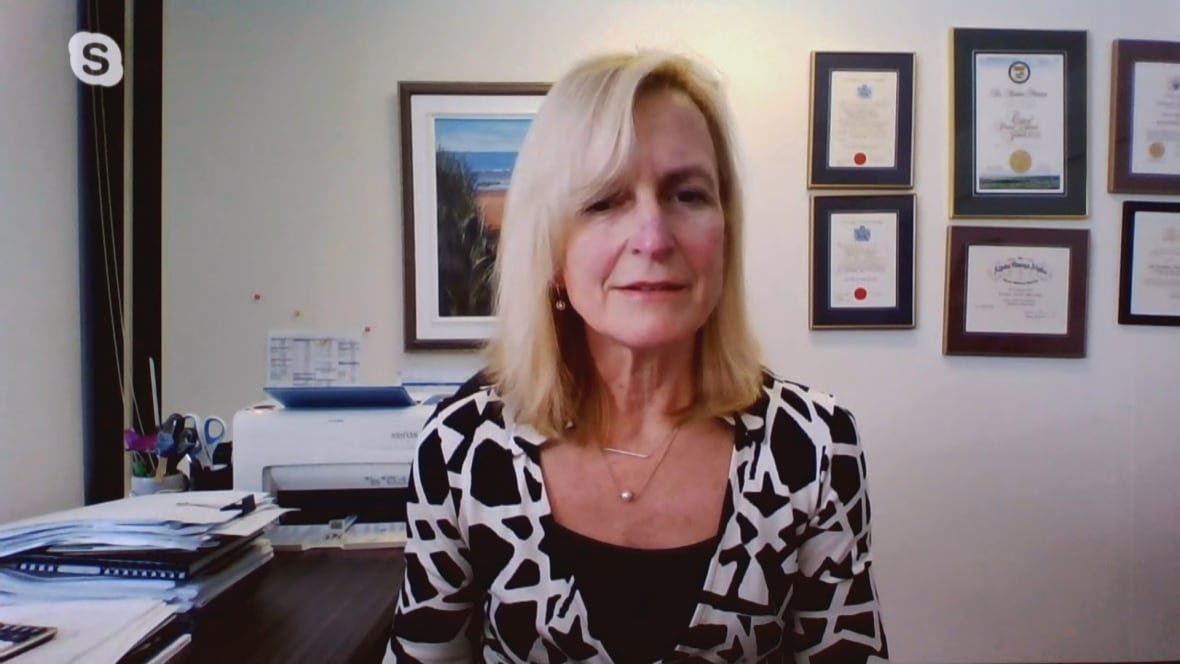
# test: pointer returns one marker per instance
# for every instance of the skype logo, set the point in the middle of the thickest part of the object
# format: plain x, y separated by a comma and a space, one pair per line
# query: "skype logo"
96, 59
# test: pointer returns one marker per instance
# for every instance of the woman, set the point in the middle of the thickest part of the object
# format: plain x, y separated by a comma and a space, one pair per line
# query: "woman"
625, 482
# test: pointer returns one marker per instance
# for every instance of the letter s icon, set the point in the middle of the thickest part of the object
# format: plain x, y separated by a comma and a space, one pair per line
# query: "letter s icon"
88, 52
96, 59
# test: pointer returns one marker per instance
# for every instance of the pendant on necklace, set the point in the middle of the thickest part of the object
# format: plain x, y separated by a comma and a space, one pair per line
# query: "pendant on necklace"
626, 496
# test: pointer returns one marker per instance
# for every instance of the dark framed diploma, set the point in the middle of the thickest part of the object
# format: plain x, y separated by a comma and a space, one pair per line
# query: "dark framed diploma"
1019, 123
862, 262
1149, 271
1145, 118
862, 120
1016, 291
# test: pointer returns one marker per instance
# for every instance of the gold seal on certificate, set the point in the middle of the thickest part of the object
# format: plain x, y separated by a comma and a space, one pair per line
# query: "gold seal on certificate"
1020, 161
1020, 110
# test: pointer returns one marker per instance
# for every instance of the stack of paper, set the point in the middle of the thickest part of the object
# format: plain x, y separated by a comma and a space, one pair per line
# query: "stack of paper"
160, 520
141, 524
88, 631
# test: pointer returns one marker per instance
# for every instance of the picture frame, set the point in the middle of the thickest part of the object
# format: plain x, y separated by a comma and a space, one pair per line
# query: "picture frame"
458, 147
1019, 121
1144, 155
862, 262
862, 120
1149, 266
1016, 291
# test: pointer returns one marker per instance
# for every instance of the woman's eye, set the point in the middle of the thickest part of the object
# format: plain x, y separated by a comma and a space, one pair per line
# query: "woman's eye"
601, 205
692, 196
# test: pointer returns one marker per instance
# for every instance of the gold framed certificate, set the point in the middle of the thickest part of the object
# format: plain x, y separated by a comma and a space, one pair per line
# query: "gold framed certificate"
862, 120
1145, 118
1016, 291
1019, 123
1149, 272
862, 262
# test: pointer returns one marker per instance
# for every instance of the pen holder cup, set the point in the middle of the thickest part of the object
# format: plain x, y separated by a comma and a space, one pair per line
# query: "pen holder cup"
220, 475
141, 486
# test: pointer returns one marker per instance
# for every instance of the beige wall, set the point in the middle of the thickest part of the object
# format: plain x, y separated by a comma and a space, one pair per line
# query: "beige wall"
40, 339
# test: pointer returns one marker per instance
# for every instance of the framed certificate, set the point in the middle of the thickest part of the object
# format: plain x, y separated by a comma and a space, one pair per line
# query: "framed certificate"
1019, 123
1145, 118
1149, 272
862, 120
1016, 291
862, 262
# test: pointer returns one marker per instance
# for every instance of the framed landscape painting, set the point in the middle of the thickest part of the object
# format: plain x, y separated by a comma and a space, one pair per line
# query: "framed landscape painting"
459, 146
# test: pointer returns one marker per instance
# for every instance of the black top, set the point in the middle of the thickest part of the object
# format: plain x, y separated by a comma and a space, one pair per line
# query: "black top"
639, 601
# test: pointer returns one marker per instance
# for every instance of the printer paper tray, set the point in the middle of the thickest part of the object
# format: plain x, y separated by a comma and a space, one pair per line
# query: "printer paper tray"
323, 505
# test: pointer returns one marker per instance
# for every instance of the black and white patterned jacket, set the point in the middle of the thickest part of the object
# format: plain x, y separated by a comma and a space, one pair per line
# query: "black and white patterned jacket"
791, 574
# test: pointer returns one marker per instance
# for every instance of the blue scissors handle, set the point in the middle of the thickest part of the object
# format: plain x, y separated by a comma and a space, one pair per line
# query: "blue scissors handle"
214, 431
210, 430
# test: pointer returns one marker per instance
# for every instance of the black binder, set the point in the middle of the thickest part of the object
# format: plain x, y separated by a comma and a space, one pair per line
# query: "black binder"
167, 564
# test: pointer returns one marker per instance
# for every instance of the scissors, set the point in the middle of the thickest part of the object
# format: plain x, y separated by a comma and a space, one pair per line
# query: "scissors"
174, 440
210, 431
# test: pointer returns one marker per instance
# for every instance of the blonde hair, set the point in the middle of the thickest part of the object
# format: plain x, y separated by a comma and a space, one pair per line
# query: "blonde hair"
580, 141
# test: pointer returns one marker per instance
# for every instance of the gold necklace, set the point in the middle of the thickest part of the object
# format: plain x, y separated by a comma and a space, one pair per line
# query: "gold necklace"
627, 495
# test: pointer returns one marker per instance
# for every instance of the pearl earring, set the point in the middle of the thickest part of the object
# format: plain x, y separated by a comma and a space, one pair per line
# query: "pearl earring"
559, 304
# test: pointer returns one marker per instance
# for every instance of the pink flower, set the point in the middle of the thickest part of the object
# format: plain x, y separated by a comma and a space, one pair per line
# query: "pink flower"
137, 443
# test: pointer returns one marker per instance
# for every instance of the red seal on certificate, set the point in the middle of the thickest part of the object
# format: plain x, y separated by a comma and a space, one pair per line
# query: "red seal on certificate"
860, 293
860, 158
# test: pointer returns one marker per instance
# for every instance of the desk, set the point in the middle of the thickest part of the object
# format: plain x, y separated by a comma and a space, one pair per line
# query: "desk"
323, 605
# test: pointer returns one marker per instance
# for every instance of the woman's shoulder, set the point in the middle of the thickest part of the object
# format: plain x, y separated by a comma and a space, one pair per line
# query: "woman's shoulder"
477, 416
472, 404
790, 410
800, 397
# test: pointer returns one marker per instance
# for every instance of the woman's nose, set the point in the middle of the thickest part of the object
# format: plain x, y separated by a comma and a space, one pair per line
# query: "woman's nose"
652, 234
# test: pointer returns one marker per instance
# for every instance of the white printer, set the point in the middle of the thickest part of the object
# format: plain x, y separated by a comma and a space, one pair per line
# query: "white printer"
345, 470
319, 449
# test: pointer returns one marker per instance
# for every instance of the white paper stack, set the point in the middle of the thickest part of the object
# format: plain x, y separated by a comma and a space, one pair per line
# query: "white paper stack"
173, 521
161, 520
97, 632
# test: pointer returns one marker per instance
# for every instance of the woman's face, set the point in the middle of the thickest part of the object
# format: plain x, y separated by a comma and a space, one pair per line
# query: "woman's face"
644, 260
